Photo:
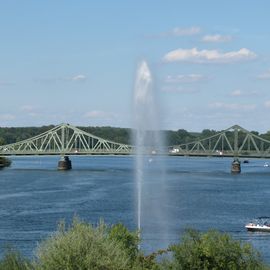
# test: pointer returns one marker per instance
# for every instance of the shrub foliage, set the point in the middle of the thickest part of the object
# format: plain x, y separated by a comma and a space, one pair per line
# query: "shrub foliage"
85, 247
13, 260
214, 250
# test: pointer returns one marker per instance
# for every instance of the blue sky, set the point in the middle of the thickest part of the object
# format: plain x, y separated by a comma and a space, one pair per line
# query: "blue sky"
75, 61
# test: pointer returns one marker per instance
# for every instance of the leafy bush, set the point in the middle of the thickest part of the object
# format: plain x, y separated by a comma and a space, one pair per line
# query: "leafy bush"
13, 260
128, 241
213, 250
83, 246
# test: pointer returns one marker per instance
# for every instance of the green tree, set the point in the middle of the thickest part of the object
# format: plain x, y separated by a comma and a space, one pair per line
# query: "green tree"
215, 251
84, 247
130, 243
2, 141
128, 240
266, 135
207, 133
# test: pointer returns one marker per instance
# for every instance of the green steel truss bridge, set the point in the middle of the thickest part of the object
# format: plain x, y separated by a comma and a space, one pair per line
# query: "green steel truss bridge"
66, 139
232, 142
62, 140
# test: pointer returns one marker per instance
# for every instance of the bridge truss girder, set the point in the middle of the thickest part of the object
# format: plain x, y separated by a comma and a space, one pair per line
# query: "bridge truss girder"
233, 142
65, 139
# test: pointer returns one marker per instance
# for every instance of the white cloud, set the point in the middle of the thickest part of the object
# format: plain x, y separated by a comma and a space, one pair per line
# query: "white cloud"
96, 114
5, 83
178, 31
236, 93
267, 104
216, 38
75, 78
264, 76
240, 93
189, 78
27, 108
232, 106
79, 77
208, 56
33, 114
179, 89
7, 117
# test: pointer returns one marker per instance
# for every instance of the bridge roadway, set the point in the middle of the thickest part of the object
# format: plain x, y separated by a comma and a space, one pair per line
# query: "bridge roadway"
67, 140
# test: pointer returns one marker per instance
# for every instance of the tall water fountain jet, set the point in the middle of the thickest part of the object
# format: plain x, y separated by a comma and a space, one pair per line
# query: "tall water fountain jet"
149, 167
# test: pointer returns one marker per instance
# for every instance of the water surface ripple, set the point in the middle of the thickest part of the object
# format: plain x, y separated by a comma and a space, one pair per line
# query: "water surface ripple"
202, 192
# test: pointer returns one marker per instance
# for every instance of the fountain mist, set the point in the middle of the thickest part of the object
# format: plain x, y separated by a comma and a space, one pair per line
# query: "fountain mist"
149, 168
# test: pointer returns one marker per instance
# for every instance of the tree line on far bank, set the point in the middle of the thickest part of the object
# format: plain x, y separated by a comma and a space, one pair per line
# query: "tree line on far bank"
121, 135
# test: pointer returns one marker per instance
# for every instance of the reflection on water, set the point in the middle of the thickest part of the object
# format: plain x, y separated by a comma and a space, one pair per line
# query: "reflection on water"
203, 194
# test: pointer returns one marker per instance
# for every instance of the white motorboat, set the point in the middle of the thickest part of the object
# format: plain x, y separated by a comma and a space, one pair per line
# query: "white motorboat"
260, 224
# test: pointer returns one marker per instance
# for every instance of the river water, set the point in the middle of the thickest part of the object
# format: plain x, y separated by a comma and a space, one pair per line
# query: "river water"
201, 193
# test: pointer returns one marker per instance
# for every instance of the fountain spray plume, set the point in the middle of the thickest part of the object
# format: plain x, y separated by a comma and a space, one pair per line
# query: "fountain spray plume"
146, 134
142, 84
